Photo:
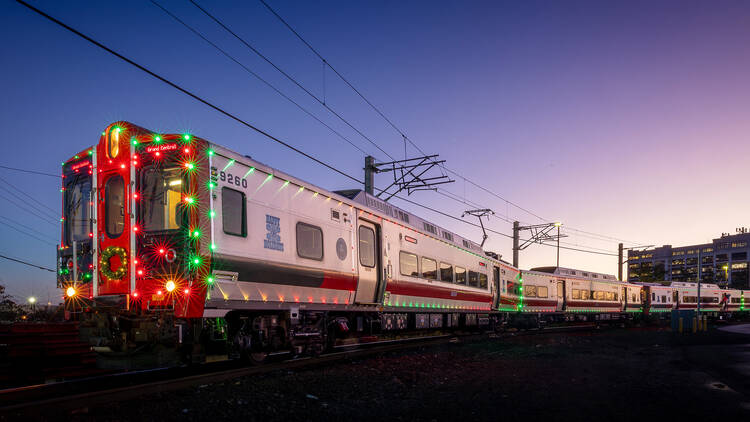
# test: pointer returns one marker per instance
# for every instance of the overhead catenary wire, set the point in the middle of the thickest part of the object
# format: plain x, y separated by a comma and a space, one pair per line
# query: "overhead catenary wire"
181, 89
54, 212
42, 217
401, 132
26, 233
27, 263
235, 118
260, 78
57, 176
292, 79
12, 221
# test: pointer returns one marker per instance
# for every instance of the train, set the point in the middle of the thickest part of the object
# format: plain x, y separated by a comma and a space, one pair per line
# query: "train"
173, 240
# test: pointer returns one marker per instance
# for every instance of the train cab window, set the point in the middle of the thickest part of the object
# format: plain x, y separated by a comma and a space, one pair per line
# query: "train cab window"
446, 272
114, 206
366, 246
408, 264
482, 280
542, 291
233, 212
576, 294
161, 198
429, 268
310, 242
473, 279
77, 211
460, 275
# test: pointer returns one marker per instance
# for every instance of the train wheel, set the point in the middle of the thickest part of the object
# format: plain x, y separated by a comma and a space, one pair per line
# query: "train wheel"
257, 358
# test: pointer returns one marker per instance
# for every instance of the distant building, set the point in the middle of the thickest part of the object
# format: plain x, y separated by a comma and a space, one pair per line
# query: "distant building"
723, 262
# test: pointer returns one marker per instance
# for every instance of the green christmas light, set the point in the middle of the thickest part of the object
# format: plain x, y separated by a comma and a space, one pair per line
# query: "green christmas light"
211, 185
212, 214
213, 246
210, 280
196, 234
189, 200
134, 141
91, 152
189, 166
187, 137
210, 152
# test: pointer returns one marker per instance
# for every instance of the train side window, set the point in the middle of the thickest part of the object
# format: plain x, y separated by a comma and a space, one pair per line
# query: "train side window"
585, 294
366, 246
310, 242
653, 296
114, 204
482, 280
633, 298
663, 299
541, 291
233, 212
446, 272
576, 294
429, 268
473, 278
408, 264
529, 291
460, 275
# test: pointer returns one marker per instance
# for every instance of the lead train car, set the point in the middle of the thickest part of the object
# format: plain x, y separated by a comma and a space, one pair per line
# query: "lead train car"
178, 231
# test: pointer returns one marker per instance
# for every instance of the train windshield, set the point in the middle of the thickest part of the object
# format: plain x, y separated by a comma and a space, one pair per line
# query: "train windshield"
77, 210
161, 199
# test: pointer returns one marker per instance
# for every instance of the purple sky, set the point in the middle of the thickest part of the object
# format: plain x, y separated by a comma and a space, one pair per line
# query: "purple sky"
627, 119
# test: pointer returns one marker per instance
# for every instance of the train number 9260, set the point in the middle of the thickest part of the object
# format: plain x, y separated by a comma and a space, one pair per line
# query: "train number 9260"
232, 179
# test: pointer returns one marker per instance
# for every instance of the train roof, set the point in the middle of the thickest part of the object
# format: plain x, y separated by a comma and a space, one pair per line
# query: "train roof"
420, 224
576, 273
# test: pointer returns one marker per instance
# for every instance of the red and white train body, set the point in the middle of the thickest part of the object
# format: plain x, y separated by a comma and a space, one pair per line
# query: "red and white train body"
171, 230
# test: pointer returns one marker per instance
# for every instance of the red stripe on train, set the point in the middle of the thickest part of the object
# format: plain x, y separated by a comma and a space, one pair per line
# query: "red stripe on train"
594, 304
339, 281
407, 288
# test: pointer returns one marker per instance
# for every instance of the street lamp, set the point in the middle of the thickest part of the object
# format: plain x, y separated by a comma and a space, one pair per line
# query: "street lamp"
32, 300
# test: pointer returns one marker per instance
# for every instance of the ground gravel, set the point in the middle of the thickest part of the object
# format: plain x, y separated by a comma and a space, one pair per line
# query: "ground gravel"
611, 375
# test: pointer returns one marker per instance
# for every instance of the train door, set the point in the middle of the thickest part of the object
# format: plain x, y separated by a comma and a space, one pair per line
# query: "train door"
560, 295
496, 283
675, 299
369, 263
115, 217
624, 301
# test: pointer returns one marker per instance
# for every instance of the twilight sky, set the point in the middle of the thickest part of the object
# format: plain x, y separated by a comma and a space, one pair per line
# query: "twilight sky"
624, 119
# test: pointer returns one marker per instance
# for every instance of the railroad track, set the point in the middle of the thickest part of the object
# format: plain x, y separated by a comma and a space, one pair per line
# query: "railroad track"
76, 395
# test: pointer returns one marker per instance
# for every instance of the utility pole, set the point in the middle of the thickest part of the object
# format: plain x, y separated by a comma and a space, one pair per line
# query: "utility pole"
558, 245
619, 261
370, 171
516, 231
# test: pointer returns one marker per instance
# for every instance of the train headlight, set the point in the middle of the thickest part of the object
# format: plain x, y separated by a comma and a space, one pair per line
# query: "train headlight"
70, 292
170, 285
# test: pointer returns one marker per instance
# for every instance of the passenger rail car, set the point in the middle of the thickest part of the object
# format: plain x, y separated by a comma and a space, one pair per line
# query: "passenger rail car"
173, 230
